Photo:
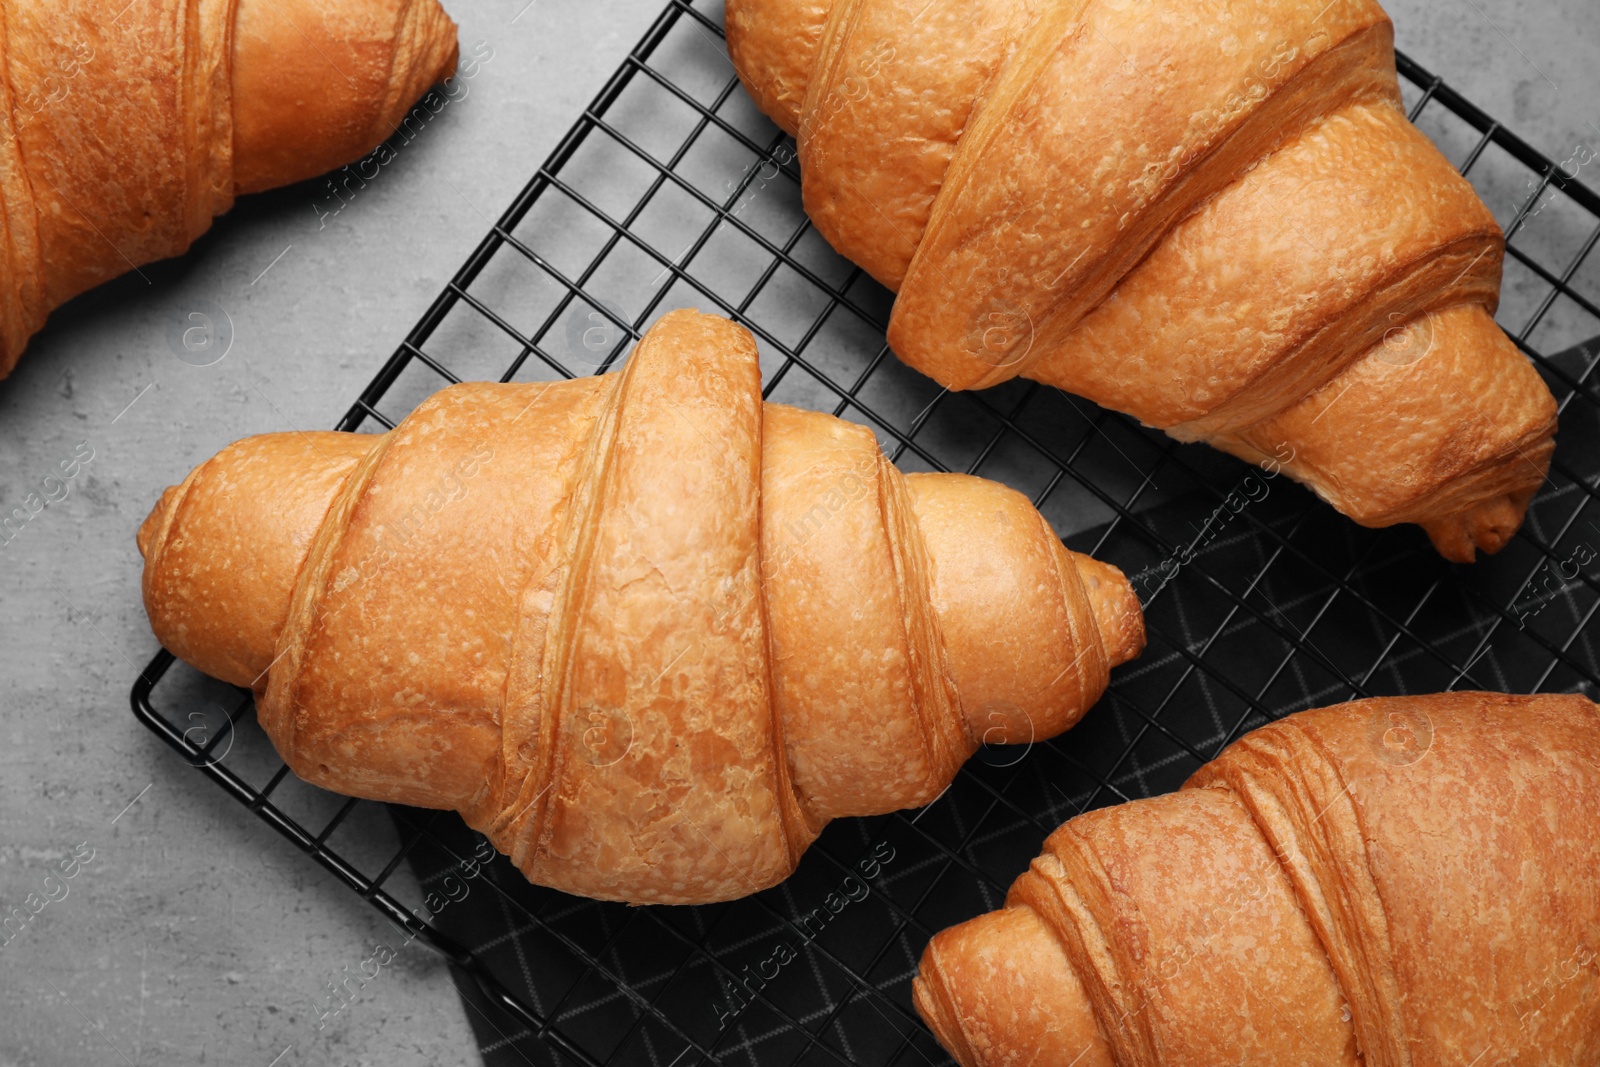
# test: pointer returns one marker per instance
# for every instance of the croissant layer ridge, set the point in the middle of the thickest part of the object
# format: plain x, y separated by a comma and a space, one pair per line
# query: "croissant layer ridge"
1212, 215
644, 630
1394, 882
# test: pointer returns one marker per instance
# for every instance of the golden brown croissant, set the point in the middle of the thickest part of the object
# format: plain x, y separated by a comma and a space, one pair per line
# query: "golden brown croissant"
646, 632
1399, 882
123, 132
1209, 214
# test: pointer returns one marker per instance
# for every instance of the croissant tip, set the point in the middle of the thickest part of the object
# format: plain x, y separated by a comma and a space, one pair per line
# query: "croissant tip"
432, 44
1116, 609
1487, 526
450, 55
931, 996
152, 522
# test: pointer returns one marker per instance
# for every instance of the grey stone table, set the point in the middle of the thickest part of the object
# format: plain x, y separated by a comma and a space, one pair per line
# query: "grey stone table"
194, 934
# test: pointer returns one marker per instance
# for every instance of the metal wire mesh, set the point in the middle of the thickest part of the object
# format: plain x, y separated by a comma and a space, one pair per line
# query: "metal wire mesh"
672, 190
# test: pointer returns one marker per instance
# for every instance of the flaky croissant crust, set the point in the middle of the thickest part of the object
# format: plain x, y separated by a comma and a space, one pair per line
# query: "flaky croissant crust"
124, 129
1210, 214
1398, 882
645, 631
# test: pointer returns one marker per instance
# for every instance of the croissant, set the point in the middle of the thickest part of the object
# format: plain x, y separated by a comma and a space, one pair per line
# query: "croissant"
123, 132
1400, 881
1209, 214
644, 631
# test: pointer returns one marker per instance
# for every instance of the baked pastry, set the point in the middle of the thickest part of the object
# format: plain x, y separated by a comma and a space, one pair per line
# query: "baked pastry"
646, 632
1209, 214
123, 132
1401, 881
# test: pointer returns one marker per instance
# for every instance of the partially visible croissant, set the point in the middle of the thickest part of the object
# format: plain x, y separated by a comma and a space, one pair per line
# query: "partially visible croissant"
1400, 882
644, 631
126, 126
1210, 214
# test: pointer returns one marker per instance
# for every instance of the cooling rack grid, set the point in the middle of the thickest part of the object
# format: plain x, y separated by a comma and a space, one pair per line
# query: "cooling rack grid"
671, 190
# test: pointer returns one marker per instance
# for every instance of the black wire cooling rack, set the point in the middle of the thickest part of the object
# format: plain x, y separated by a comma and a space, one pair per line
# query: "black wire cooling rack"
672, 190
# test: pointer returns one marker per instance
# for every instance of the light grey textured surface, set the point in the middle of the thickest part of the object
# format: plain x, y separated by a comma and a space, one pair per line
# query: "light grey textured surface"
195, 934
1532, 64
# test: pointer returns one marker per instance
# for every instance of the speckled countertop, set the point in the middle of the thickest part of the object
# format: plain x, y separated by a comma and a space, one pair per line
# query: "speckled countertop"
193, 934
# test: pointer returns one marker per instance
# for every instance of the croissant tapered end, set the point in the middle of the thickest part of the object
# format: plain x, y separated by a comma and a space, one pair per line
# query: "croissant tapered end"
317, 85
1487, 526
994, 560
1116, 608
222, 548
772, 44
1445, 424
150, 529
998, 991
